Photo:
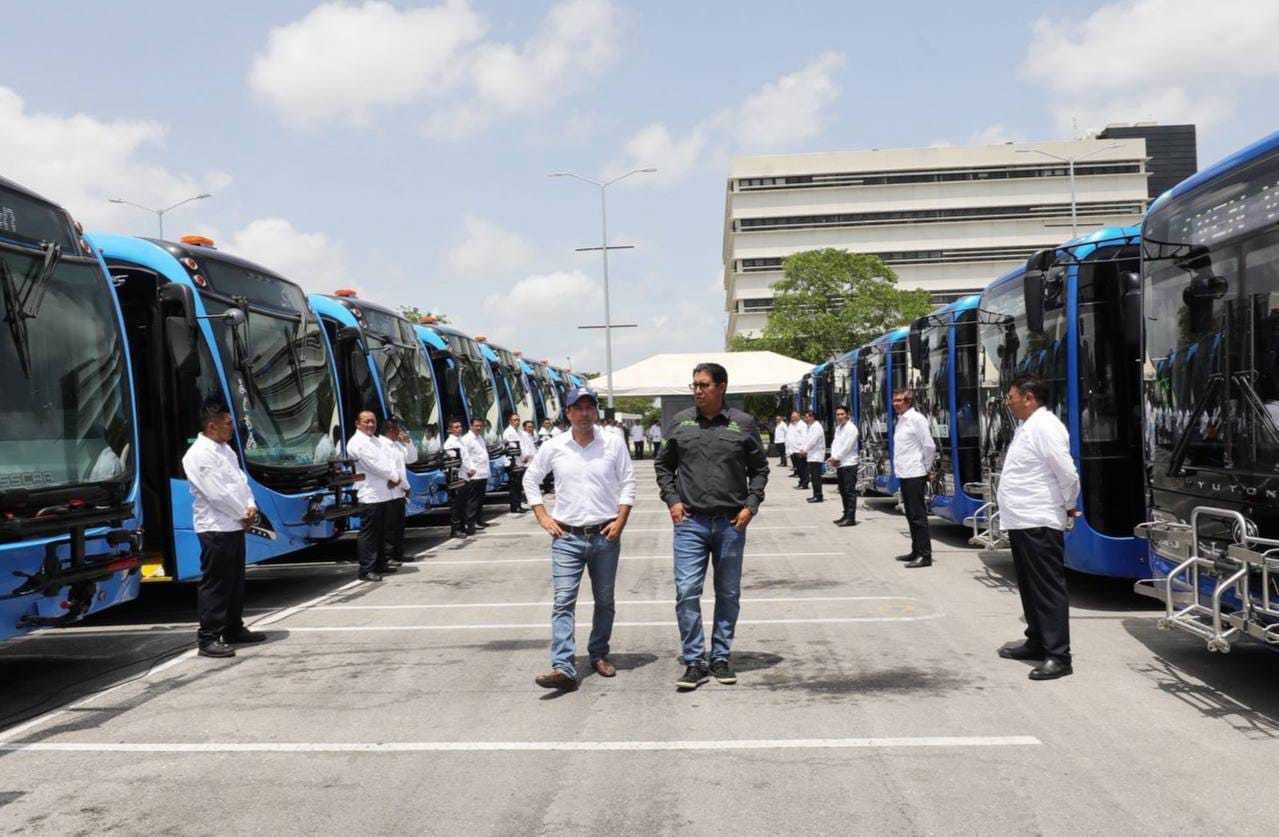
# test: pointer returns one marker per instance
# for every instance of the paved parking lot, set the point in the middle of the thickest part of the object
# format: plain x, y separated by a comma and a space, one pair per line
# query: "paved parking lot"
870, 700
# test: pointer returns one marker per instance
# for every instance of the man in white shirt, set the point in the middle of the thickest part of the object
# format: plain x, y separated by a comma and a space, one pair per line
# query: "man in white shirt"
528, 446
844, 458
475, 464
814, 453
381, 485
546, 431
511, 436
459, 497
401, 448
779, 440
1038, 488
913, 453
794, 449
223, 508
594, 492
655, 436
637, 439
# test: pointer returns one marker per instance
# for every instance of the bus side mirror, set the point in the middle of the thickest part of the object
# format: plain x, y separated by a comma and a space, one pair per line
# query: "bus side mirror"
1131, 284
347, 335
917, 343
1037, 267
179, 339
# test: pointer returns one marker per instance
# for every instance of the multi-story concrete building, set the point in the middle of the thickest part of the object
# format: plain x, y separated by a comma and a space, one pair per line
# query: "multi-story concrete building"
948, 219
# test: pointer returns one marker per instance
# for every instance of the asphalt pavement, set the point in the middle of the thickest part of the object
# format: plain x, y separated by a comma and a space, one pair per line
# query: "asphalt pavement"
870, 700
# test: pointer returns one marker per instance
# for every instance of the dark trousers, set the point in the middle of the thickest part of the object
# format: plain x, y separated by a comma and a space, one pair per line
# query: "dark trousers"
516, 479
780, 449
1039, 561
475, 498
847, 476
220, 598
393, 526
639, 449
458, 498
798, 466
921, 545
815, 470
370, 544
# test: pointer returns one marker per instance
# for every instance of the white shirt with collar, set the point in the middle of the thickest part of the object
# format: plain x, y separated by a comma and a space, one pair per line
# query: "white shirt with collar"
220, 492
637, 433
378, 464
591, 481
655, 433
475, 456
814, 443
795, 435
528, 447
913, 445
511, 434
557, 431
843, 447
779, 433
1038, 482
400, 452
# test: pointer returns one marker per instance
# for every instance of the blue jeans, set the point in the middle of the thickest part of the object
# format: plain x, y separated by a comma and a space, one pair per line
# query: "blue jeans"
570, 555
702, 540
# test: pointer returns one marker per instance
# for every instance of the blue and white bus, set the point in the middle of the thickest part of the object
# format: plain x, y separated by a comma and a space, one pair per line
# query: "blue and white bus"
944, 349
1210, 275
883, 367
205, 326
382, 367
514, 390
69, 517
1072, 316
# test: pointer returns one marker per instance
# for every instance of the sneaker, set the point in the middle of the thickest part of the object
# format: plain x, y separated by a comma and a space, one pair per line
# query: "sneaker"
723, 672
217, 648
694, 676
371, 577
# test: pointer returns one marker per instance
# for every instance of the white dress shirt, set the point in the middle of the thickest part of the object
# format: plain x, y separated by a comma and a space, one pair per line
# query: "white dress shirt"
814, 449
455, 443
400, 453
795, 435
511, 434
590, 482
779, 433
655, 434
378, 465
557, 431
1038, 482
220, 491
637, 433
913, 445
844, 446
475, 456
528, 447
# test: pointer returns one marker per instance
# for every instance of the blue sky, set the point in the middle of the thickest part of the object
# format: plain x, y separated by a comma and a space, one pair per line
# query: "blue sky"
403, 148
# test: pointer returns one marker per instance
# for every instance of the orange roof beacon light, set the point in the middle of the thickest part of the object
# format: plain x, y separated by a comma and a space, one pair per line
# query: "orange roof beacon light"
198, 241
346, 292
480, 338
427, 319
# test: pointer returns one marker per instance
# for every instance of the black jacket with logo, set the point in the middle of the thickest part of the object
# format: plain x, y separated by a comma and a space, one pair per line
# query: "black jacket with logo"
713, 465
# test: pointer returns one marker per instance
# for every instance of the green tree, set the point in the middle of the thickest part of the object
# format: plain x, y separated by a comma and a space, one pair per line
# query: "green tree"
830, 301
413, 314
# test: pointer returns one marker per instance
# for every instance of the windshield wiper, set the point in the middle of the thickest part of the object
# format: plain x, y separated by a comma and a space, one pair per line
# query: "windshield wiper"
23, 303
1253, 399
1205, 400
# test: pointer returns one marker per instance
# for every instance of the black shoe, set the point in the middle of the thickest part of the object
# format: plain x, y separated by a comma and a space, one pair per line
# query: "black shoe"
919, 562
370, 577
694, 676
1050, 669
907, 557
723, 672
243, 637
388, 569
839, 520
847, 523
470, 531
217, 648
1025, 651
479, 525
394, 562
816, 500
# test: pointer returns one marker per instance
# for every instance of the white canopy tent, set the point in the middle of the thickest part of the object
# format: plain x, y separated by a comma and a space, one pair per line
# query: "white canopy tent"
670, 374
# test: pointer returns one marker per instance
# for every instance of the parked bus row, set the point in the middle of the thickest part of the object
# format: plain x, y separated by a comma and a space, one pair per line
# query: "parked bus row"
1160, 343
113, 344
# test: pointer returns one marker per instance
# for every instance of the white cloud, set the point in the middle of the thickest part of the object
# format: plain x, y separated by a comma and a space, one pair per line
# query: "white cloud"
792, 108
549, 298
310, 259
1162, 59
489, 250
80, 161
345, 59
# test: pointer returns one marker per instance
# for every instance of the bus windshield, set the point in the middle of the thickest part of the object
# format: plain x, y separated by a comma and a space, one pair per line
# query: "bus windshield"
521, 396
282, 388
407, 382
66, 418
550, 396
477, 384
873, 419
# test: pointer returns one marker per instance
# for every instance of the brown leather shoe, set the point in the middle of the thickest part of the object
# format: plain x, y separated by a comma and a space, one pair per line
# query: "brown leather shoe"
557, 680
603, 667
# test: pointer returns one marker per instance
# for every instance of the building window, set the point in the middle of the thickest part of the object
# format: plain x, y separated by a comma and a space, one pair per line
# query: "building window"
933, 216
754, 306
890, 178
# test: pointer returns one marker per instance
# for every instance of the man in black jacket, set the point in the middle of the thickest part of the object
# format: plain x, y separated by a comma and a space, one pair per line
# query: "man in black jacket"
711, 472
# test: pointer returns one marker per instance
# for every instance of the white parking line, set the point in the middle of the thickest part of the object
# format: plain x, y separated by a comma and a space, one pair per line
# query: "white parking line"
666, 557
928, 741
620, 602
542, 626
753, 528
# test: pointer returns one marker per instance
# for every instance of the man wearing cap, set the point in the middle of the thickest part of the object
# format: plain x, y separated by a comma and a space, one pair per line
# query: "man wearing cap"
375, 493
711, 473
594, 492
402, 450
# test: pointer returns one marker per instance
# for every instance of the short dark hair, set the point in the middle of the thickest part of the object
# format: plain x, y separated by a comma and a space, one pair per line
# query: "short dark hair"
456, 420
718, 373
212, 411
810, 413
842, 407
1032, 385
906, 395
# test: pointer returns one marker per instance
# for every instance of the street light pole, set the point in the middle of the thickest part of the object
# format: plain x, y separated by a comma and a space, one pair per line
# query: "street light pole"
1070, 163
159, 213
604, 248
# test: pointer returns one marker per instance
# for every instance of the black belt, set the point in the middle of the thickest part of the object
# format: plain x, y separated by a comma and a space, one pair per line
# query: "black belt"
584, 531
730, 513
